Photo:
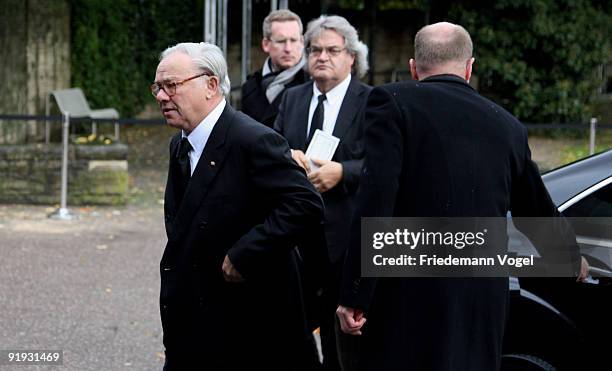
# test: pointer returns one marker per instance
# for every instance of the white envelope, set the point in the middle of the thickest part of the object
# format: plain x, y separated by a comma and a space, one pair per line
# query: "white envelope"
322, 147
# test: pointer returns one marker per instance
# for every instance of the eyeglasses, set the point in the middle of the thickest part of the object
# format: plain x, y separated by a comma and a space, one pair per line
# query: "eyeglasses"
170, 87
333, 51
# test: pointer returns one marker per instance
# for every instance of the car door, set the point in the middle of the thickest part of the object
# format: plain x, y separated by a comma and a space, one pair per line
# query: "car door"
590, 213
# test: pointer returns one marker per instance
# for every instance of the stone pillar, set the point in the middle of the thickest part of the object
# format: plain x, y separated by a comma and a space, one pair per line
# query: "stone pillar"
35, 43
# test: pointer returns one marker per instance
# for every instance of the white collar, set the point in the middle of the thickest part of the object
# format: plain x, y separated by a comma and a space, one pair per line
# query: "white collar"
199, 136
336, 94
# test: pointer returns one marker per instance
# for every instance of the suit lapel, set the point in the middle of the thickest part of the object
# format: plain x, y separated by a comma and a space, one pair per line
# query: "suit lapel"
297, 134
207, 168
170, 198
349, 108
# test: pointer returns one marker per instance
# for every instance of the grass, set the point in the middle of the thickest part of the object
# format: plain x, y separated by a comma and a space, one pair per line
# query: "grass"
551, 150
603, 142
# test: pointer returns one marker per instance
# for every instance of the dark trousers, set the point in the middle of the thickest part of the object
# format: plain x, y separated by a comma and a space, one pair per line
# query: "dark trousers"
349, 349
340, 351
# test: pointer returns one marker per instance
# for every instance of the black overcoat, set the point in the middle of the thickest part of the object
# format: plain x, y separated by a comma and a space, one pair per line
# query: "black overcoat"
255, 103
249, 200
436, 148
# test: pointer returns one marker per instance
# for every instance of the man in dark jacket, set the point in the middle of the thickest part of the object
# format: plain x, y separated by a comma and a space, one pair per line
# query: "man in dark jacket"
333, 103
235, 206
284, 67
436, 148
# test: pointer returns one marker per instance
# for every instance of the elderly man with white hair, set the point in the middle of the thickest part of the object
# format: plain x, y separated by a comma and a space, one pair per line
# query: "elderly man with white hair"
235, 206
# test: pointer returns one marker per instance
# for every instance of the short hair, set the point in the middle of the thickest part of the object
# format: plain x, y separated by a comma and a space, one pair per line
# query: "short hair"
206, 57
281, 15
440, 43
348, 32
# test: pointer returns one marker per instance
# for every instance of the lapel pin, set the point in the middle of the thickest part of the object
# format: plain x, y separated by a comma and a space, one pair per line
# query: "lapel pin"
212, 163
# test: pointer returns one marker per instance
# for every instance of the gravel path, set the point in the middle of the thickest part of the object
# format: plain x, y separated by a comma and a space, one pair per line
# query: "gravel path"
88, 287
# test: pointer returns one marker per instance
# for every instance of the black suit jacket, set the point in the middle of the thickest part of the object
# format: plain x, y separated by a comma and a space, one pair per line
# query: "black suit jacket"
249, 200
437, 148
255, 103
292, 123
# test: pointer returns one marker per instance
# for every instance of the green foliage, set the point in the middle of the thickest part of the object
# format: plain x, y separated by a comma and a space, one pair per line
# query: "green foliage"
116, 44
385, 4
402, 4
575, 153
351, 4
538, 58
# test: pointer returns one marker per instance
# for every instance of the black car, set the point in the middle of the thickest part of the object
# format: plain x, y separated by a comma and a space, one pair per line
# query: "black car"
558, 323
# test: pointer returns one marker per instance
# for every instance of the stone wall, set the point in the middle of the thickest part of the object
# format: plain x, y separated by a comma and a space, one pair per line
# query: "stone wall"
98, 174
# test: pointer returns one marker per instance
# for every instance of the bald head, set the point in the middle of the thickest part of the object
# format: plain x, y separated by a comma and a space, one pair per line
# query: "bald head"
442, 48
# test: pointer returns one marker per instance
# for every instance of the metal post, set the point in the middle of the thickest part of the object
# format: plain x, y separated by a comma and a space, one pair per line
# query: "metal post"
94, 129
283, 4
213, 21
47, 113
273, 5
246, 39
116, 131
222, 26
593, 128
205, 22
63, 213
210, 18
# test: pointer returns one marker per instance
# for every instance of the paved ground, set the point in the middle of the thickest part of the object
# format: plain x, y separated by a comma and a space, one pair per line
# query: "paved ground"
89, 287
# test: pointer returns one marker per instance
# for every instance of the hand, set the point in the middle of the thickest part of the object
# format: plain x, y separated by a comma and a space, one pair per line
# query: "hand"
229, 271
351, 320
584, 270
327, 176
299, 157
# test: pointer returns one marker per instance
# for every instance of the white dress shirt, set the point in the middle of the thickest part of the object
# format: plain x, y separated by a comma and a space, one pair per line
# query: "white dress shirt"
331, 105
199, 136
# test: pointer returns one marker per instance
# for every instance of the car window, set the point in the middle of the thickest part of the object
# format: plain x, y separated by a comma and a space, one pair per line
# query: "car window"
597, 204
592, 215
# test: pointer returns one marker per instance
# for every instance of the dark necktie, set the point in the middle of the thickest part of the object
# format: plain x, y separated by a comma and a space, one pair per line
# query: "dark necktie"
184, 166
317, 119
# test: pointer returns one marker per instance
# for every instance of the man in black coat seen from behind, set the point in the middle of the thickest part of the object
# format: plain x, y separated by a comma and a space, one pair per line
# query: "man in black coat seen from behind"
436, 148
